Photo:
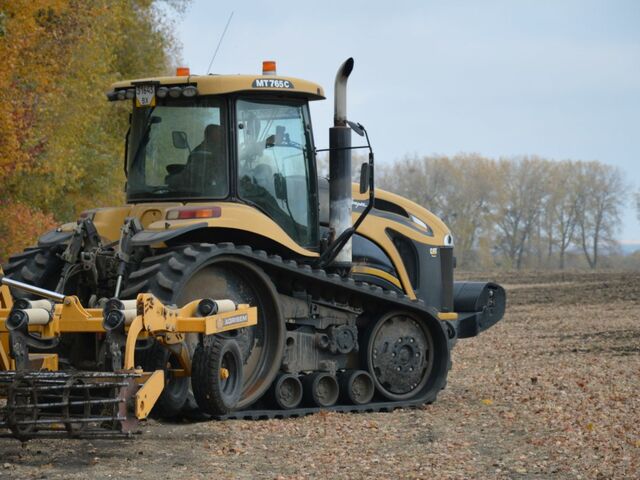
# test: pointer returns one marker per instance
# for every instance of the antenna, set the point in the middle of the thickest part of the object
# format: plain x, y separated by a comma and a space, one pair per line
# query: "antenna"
219, 42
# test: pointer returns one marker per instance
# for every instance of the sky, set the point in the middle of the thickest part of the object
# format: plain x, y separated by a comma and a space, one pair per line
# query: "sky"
559, 79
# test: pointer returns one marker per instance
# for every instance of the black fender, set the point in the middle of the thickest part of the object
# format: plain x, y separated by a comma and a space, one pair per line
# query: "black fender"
54, 237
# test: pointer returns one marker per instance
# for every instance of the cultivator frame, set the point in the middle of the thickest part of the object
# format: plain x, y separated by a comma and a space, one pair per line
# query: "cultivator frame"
41, 400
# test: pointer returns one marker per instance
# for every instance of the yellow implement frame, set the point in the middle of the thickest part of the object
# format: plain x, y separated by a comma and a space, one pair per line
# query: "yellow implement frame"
167, 325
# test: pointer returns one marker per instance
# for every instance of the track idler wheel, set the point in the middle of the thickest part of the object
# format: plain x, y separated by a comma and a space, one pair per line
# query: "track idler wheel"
286, 391
356, 387
320, 389
216, 375
407, 356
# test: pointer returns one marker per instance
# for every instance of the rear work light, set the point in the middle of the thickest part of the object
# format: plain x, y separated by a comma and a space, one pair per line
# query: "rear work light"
189, 213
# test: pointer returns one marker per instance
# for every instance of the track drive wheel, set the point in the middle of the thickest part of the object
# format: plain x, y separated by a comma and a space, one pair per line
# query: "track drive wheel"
216, 375
407, 356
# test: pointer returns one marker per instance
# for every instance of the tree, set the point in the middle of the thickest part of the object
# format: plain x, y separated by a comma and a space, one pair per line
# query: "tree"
562, 208
460, 190
522, 191
61, 145
601, 197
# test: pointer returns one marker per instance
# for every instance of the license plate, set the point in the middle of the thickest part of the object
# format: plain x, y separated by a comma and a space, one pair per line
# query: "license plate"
145, 96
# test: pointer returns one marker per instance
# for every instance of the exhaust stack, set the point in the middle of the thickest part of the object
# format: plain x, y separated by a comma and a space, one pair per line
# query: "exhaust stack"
340, 165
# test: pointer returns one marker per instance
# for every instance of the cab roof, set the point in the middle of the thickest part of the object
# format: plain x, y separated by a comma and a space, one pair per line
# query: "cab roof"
221, 84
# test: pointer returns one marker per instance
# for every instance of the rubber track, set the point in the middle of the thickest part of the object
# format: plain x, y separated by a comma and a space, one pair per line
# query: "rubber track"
372, 407
163, 281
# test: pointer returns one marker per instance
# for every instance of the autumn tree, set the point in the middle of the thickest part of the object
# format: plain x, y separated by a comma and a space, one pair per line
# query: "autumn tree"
522, 192
459, 189
601, 198
61, 145
560, 215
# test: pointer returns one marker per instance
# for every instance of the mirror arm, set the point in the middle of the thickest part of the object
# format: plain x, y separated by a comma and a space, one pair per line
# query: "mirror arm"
126, 150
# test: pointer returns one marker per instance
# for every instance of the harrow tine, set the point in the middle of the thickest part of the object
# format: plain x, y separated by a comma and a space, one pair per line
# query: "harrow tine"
78, 403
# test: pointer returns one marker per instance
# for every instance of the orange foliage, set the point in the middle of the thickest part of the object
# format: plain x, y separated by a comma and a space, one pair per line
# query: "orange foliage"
20, 227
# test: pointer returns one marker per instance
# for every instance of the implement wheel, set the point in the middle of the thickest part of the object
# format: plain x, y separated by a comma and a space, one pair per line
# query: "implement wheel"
216, 375
197, 271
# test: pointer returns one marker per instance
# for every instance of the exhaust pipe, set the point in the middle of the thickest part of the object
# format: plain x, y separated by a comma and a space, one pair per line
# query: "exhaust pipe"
340, 200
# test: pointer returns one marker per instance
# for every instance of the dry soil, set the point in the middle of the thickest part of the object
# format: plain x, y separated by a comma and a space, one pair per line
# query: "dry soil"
552, 391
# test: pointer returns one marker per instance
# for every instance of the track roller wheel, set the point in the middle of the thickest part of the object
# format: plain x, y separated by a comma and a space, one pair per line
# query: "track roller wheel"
176, 389
356, 387
286, 391
216, 375
320, 389
407, 356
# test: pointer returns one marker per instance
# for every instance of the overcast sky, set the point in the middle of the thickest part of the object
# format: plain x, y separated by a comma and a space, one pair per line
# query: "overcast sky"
559, 79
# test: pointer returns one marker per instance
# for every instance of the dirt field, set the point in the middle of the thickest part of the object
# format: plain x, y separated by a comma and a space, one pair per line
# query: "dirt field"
550, 392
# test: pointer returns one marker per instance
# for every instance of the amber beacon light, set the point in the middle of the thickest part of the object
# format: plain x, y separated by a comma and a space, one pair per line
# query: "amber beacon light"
269, 67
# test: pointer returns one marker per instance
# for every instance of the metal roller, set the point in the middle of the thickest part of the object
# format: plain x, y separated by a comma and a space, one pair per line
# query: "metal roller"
29, 316
23, 303
129, 315
208, 307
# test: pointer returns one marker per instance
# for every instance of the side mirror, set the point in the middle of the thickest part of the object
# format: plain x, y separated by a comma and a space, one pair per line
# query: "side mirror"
180, 140
365, 174
356, 127
280, 185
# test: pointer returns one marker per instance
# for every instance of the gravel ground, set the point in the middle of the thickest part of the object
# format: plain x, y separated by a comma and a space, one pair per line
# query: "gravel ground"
550, 392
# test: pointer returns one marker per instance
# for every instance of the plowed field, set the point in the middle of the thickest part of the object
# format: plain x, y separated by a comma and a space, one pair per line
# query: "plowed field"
552, 391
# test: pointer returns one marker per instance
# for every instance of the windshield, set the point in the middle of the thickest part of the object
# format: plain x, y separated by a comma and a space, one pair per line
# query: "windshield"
178, 152
275, 165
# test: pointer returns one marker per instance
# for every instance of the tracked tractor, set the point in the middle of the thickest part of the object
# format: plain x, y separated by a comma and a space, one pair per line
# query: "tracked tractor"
357, 307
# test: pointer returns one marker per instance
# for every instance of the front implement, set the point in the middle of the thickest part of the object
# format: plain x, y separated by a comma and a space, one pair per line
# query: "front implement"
41, 400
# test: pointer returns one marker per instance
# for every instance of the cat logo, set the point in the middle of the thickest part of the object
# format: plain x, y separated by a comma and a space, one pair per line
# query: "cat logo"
434, 252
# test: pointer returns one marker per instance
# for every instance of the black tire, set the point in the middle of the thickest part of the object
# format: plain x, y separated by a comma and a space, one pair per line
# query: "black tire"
182, 274
176, 389
40, 267
215, 394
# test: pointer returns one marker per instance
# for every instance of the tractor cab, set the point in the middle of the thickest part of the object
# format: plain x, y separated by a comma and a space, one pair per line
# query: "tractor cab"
242, 139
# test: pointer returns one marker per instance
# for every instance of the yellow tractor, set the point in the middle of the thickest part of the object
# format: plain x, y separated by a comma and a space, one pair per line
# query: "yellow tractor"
357, 308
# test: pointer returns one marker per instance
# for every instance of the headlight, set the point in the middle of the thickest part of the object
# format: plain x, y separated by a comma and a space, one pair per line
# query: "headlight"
190, 91
448, 240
